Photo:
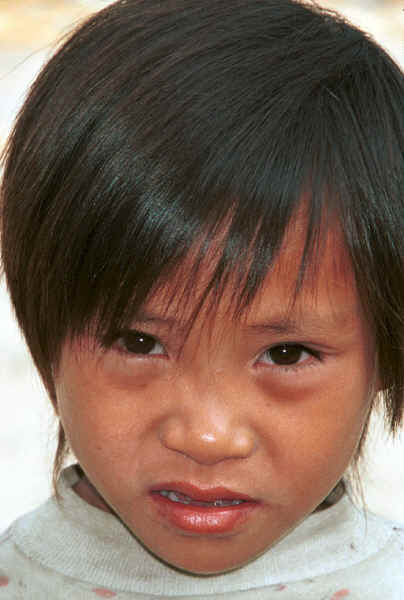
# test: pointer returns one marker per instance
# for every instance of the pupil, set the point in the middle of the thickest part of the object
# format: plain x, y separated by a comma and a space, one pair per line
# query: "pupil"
139, 343
285, 354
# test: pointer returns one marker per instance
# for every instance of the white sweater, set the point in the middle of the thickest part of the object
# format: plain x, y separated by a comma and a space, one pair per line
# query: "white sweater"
78, 552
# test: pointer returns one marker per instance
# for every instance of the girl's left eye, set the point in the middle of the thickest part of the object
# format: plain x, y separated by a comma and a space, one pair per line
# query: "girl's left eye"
287, 355
137, 342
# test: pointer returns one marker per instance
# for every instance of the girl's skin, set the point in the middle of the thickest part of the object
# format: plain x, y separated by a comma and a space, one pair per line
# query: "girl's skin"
218, 409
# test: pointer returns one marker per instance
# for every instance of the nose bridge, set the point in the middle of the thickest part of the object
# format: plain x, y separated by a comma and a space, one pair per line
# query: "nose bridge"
207, 424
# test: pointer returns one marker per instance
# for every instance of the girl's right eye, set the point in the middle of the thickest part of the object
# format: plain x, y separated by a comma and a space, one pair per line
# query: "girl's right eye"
137, 342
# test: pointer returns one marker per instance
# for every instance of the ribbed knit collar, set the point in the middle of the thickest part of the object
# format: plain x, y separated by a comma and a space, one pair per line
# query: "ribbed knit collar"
92, 546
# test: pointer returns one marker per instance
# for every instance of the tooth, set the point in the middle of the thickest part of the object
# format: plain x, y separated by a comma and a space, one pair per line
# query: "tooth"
183, 499
173, 497
227, 502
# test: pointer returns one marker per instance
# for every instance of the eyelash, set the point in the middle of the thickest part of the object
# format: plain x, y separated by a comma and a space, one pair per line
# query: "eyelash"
125, 338
312, 356
149, 342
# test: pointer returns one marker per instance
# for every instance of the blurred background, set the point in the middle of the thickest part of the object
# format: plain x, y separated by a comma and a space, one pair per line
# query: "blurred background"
29, 31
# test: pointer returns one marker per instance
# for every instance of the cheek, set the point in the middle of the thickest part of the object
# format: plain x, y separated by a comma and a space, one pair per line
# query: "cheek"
107, 416
312, 431
88, 409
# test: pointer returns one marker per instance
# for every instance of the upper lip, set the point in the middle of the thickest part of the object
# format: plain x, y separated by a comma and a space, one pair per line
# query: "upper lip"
202, 494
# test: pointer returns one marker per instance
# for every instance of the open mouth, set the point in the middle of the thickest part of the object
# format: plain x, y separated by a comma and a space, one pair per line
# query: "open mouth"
183, 499
196, 510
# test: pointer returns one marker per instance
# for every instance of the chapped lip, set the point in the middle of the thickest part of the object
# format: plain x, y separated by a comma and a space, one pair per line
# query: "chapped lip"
201, 494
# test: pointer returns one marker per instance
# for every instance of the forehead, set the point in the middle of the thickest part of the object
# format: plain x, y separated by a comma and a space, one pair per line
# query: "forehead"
319, 287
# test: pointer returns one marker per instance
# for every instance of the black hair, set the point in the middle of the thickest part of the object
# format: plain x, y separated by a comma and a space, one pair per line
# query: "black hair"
160, 124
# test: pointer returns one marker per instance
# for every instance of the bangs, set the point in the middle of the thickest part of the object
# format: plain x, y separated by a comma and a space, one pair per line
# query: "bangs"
188, 135
225, 211
189, 264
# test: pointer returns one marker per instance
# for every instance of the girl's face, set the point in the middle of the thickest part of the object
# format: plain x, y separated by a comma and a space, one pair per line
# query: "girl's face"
211, 447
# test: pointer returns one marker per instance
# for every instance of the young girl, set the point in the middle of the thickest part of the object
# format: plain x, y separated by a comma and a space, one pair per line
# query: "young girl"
202, 236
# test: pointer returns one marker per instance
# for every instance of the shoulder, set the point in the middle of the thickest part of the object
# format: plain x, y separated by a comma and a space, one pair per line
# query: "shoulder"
52, 551
392, 553
6, 560
21, 576
380, 572
23, 573
344, 552
16, 569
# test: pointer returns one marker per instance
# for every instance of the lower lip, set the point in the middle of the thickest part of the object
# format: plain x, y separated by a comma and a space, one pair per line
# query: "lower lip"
201, 519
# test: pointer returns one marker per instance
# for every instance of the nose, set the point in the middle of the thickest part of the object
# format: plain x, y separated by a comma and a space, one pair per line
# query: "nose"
208, 435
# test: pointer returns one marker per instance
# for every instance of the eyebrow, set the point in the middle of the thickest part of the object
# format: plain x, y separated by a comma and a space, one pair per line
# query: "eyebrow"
145, 317
312, 322
279, 324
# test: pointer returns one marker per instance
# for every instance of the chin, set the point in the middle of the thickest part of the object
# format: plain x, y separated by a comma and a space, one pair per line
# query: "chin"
201, 564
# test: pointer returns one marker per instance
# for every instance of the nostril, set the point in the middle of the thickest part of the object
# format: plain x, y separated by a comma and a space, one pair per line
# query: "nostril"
171, 434
245, 441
